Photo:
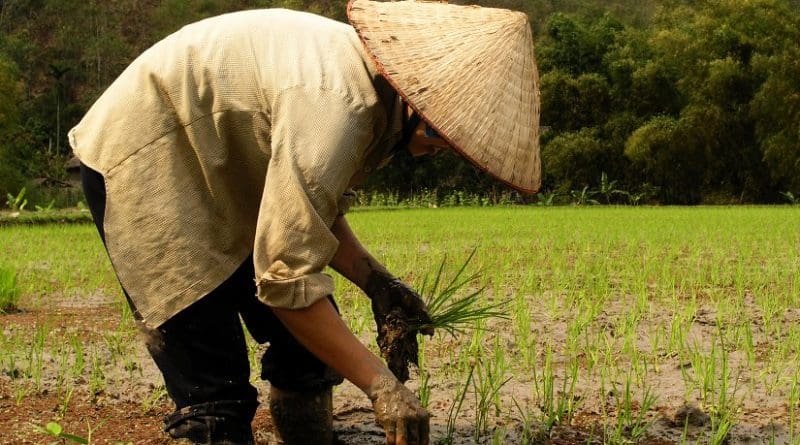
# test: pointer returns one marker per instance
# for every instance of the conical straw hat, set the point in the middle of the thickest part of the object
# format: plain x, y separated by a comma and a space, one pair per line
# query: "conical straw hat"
470, 72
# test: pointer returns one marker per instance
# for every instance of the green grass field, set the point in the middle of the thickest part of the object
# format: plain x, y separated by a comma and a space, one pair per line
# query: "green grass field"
679, 325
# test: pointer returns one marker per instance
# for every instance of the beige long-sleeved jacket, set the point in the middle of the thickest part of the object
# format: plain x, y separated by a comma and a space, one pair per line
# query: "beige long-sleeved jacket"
238, 134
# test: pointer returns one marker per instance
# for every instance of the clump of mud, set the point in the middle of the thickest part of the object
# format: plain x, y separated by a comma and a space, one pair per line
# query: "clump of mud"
398, 344
690, 415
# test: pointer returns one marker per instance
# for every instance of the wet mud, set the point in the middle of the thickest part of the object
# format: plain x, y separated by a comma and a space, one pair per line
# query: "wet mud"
398, 344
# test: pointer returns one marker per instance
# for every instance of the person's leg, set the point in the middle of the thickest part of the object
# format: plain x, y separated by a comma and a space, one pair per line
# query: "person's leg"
300, 398
203, 356
201, 353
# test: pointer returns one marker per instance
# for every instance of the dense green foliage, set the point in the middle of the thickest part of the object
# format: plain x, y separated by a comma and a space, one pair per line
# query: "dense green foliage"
702, 102
687, 100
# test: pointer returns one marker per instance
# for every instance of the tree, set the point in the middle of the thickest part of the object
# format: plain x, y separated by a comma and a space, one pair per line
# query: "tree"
573, 160
659, 151
776, 111
11, 89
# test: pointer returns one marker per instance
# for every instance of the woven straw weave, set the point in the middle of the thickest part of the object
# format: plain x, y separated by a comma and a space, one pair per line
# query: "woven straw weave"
470, 72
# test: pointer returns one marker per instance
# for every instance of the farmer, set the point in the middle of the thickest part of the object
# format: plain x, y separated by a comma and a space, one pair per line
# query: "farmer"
218, 168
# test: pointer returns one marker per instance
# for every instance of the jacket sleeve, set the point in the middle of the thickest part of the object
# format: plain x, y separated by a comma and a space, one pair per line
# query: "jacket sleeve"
318, 141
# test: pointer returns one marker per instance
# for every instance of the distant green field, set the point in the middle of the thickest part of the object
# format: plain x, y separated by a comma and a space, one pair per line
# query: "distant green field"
614, 311
553, 247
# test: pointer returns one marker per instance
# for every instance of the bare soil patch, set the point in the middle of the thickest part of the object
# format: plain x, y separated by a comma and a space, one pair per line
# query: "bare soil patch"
117, 414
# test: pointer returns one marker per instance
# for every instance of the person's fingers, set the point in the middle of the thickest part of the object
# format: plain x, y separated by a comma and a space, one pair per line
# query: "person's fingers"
424, 430
413, 348
391, 437
427, 330
413, 432
402, 432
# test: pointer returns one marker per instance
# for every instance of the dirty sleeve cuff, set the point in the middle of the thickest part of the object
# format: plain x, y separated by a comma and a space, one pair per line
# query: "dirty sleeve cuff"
294, 293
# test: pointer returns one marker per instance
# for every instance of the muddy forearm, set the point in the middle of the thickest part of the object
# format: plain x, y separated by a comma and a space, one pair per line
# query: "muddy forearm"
352, 260
320, 329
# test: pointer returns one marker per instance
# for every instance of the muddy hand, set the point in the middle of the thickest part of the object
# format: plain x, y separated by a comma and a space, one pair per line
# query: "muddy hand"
399, 312
399, 412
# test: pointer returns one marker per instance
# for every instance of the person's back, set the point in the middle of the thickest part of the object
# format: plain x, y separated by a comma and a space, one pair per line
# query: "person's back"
210, 105
230, 64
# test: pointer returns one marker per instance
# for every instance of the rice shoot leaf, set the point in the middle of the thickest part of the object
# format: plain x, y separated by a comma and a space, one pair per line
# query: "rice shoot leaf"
449, 309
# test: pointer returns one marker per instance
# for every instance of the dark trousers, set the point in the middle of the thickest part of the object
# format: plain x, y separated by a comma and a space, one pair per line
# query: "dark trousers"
201, 351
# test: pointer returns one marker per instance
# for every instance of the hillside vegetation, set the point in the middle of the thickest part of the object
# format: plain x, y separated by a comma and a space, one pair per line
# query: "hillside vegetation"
679, 101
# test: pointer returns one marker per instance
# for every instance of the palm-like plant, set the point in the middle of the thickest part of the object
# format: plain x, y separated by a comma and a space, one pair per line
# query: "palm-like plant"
608, 188
583, 196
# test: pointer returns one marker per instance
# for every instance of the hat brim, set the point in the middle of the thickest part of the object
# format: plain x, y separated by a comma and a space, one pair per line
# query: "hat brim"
475, 81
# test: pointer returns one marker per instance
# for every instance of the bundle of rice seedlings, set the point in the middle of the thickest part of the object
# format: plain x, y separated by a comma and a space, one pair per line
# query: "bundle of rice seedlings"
452, 307
448, 310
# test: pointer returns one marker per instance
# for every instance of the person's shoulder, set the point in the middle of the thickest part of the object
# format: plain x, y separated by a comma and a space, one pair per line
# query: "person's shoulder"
265, 18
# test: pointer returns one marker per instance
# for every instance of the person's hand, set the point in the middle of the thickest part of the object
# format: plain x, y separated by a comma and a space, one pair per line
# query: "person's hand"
399, 314
399, 412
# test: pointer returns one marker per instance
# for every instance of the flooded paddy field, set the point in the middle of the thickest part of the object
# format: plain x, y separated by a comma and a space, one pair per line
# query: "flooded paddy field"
625, 325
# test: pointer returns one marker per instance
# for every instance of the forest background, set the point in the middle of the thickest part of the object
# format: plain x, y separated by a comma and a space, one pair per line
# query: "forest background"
659, 101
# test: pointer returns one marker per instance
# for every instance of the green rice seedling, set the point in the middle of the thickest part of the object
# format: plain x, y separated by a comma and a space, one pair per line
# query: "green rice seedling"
522, 329
639, 368
424, 375
499, 436
631, 424
475, 348
746, 343
454, 314
556, 406
721, 426
576, 327
36, 355
677, 334
62, 374
131, 365
424, 391
97, 377
64, 405
725, 410
656, 337
685, 432
9, 291
455, 410
79, 361
486, 384
500, 367
20, 392
8, 356
794, 401
530, 434
55, 430
704, 369
627, 327
155, 397
127, 322
117, 345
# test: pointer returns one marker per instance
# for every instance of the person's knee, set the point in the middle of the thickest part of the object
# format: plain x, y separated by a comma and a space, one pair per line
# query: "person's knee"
297, 370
